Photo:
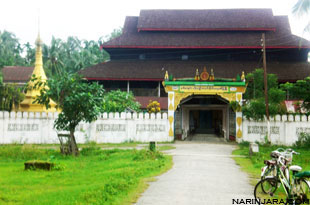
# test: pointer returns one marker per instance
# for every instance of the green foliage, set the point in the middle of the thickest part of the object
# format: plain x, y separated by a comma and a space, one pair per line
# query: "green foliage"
255, 88
299, 90
60, 56
10, 50
1, 78
235, 106
10, 96
91, 149
77, 99
111, 177
72, 55
254, 163
25, 152
119, 101
303, 141
115, 33
255, 106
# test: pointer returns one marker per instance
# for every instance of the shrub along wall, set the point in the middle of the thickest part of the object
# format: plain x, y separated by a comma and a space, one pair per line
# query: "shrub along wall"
37, 128
285, 129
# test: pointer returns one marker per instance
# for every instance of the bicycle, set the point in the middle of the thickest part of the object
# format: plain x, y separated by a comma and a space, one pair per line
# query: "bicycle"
270, 168
295, 191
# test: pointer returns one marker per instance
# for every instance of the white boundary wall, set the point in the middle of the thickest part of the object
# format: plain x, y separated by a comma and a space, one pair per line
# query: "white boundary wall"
37, 128
285, 129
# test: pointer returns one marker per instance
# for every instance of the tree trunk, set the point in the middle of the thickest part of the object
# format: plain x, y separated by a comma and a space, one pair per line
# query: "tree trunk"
73, 149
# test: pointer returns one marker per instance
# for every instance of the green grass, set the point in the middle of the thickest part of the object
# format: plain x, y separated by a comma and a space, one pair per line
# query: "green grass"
252, 165
95, 177
102, 145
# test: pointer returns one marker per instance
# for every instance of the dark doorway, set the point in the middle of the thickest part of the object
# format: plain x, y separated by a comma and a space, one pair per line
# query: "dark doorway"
206, 121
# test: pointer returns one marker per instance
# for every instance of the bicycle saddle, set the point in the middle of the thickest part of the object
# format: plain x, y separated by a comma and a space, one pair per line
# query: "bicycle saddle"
295, 168
270, 162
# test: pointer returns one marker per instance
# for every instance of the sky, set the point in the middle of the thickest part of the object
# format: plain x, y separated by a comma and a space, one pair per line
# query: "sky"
92, 19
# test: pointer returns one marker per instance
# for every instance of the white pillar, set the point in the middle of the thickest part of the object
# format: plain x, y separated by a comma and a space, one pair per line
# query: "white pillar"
127, 86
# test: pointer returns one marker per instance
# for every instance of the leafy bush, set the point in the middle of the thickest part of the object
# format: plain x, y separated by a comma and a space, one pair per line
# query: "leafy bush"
10, 96
303, 141
119, 101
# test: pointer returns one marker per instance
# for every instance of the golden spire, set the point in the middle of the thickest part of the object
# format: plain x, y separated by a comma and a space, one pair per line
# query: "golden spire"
166, 75
211, 78
197, 77
243, 76
31, 94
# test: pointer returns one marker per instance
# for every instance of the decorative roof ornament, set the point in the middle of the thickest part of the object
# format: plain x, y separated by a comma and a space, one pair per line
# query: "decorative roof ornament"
243, 76
211, 78
204, 75
197, 75
166, 76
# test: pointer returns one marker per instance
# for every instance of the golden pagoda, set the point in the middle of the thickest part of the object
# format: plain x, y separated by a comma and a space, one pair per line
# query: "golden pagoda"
31, 94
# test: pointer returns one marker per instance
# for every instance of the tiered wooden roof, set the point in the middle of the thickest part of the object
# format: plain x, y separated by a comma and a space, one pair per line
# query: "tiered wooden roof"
224, 28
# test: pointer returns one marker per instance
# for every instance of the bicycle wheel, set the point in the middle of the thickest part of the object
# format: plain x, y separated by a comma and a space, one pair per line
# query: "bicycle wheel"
301, 193
266, 189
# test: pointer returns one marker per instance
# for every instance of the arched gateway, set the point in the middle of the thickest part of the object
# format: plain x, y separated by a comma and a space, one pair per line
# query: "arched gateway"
201, 105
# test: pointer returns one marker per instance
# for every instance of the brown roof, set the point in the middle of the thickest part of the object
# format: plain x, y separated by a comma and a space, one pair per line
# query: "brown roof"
144, 101
131, 38
155, 70
16, 74
211, 19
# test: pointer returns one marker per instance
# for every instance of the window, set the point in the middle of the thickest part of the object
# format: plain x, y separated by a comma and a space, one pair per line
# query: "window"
142, 56
184, 57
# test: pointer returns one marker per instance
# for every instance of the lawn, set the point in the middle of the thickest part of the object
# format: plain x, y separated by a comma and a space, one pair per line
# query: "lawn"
252, 165
95, 177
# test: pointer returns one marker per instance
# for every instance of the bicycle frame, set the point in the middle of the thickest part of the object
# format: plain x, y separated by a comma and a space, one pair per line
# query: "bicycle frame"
284, 181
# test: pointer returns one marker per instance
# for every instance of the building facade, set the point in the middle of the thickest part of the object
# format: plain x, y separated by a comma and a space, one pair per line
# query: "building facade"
183, 43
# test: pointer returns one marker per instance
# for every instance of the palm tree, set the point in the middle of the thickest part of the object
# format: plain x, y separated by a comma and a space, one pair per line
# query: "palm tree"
302, 8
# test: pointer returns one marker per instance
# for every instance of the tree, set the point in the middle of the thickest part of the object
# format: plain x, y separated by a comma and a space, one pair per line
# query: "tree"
300, 90
119, 101
10, 96
302, 8
255, 104
115, 33
10, 50
77, 100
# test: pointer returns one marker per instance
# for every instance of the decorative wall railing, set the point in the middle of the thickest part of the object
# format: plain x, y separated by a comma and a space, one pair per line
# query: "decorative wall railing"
285, 129
37, 128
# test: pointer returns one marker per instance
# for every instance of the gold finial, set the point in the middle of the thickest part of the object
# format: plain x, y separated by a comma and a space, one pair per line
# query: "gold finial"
197, 75
211, 75
166, 75
243, 76
38, 41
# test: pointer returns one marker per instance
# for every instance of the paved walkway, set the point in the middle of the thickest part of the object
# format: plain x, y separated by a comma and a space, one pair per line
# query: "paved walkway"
203, 173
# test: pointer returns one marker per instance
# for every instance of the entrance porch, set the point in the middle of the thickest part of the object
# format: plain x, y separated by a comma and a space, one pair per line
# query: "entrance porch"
199, 117
200, 106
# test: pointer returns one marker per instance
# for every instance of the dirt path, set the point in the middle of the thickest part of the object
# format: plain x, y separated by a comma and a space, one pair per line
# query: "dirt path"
203, 173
